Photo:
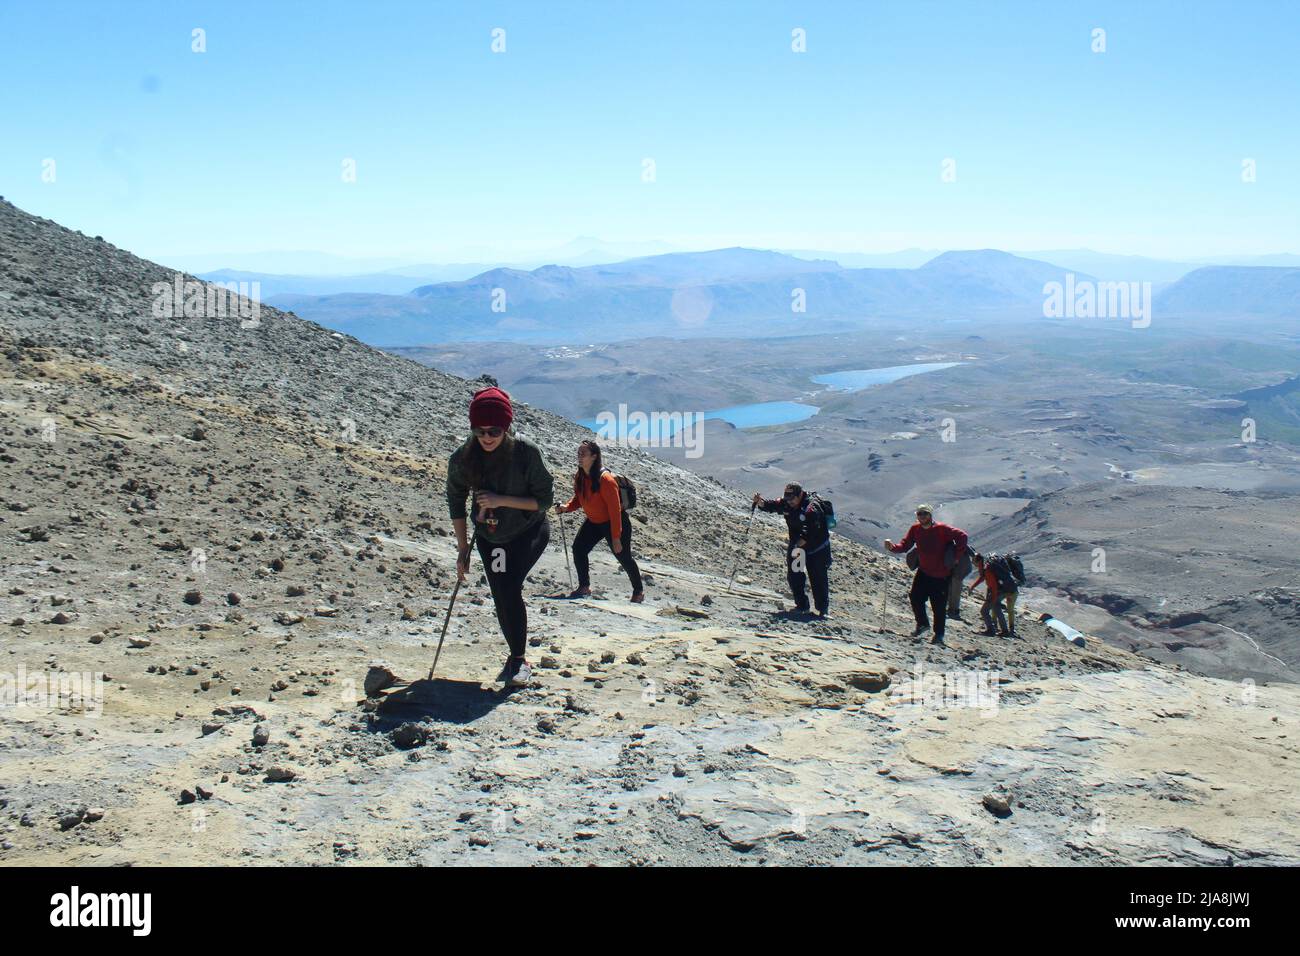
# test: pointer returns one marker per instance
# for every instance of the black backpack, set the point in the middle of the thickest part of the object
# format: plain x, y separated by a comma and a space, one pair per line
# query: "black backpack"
1017, 566
828, 509
1002, 568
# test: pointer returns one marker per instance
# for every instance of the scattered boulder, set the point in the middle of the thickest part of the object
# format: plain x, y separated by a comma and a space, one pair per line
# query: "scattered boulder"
378, 677
410, 735
873, 682
997, 804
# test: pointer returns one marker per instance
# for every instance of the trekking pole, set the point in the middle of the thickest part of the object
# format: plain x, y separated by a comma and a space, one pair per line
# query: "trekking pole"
565, 538
740, 553
454, 591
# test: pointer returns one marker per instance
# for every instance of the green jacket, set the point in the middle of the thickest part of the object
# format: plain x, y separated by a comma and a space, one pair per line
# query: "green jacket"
527, 478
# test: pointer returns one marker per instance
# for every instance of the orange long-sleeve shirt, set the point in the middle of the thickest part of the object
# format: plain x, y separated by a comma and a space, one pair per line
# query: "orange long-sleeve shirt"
602, 506
989, 578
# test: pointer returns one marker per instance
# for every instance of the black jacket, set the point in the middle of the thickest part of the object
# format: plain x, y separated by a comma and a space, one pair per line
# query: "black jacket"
804, 520
526, 477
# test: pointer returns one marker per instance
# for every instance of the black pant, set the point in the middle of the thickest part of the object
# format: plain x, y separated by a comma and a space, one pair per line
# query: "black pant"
586, 539
818, 565
506, 564
934, 590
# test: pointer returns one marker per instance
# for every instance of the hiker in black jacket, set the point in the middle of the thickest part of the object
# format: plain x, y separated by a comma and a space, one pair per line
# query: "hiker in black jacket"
511, 491
808, 554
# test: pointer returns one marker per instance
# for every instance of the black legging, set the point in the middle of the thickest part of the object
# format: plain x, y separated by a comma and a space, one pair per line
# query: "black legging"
935, 591
818, 565
506, 564
586, 539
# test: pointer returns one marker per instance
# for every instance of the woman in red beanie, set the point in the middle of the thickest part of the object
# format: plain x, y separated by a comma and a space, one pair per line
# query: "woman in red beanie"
512, 491
595, 491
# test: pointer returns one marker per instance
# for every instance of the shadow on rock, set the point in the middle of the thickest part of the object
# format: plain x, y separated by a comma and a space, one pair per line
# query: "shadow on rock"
448, 701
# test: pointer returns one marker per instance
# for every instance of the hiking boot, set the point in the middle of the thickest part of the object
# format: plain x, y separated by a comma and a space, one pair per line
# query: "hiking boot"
580, 592
522, 675
508, 671
989, 632
638, 597
1005, 634
937, 639
920, 629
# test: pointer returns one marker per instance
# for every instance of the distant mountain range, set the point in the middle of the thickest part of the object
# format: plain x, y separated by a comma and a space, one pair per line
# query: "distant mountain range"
1235, 290
722, 292
740, 291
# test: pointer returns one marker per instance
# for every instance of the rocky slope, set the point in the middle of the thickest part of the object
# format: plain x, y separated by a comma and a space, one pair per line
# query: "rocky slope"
1208, 583
234, 523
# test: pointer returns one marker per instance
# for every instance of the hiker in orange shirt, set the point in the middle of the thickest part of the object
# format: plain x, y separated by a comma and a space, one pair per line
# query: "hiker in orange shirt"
595, 491
992, 604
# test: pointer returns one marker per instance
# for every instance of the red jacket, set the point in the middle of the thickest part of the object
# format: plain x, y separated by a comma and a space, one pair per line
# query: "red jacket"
930, 544
601, 507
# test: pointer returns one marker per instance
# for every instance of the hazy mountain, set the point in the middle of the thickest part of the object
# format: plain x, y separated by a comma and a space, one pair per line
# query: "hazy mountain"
903, 259
1109, 267
749, 291
724, 291
281, 262
678, 268
397, 282
588, 250
988, 278
1284, 259
1233, 291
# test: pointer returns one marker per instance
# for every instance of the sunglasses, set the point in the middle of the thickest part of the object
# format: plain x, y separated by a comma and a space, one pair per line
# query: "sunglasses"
490, 432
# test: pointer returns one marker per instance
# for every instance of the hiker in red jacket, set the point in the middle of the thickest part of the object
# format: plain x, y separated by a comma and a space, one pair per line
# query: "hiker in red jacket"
595, 491
938, 548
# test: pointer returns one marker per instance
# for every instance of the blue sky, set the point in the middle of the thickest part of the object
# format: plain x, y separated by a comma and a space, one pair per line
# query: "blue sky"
460, 150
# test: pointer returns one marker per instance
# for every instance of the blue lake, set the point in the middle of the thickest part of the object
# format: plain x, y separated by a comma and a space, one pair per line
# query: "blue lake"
764, 413
856, 379
760, 414
742, 416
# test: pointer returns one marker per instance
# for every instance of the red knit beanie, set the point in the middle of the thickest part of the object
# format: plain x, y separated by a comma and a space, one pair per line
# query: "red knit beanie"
490, 407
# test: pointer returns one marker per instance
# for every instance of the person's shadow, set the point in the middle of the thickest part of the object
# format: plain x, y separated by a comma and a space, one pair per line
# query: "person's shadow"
441, 699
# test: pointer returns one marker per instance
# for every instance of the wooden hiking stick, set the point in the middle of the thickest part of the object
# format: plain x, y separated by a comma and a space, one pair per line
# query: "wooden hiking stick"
736, 567
451, 604
565, 538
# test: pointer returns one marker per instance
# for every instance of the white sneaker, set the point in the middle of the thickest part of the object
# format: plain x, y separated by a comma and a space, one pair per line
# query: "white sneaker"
522, 675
